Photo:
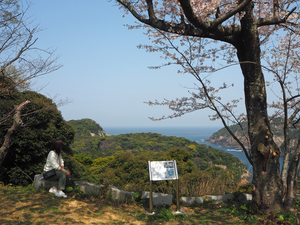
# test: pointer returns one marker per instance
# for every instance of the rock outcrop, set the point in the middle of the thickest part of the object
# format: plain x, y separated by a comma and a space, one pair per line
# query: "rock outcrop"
224, 139
101, 133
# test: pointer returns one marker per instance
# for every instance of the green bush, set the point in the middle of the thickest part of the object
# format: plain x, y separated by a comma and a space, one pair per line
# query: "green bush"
78, 170
31, 144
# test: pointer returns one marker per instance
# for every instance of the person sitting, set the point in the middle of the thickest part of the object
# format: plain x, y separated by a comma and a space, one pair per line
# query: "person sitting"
55, 161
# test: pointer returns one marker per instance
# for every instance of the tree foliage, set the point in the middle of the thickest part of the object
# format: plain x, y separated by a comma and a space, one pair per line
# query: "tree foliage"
256, 35
129, 172
85, 127
202, 156
122, 161
20, 61
42, 123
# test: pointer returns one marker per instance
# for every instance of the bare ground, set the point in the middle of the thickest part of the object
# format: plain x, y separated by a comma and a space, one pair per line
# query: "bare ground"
20, 205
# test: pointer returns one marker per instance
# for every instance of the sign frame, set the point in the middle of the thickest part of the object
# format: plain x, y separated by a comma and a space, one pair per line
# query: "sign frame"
163, 170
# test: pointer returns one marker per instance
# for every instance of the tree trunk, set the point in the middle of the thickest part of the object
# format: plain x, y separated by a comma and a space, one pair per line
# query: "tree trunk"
266, 184
290, 195
17, 121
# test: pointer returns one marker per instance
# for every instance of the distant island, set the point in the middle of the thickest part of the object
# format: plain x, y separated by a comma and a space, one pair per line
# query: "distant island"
224, 139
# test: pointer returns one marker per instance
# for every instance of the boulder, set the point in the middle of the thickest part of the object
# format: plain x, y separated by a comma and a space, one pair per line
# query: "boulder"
189, 201
88, 188
219, 198
245, 197
119, 195
116, 194
158, 198
41, 183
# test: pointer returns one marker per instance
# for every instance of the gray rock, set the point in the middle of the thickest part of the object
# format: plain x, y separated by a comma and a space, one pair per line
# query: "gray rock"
245, 197
219, 198
188, 201
41, 183
119, 195
158, 198
88, 188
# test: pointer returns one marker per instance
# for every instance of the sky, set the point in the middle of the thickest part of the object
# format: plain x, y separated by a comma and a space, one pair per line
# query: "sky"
104, 75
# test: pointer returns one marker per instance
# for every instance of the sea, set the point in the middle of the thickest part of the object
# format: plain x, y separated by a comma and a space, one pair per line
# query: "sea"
198, 134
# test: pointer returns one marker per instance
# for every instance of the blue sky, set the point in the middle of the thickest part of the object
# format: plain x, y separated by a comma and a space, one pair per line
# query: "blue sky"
104, 74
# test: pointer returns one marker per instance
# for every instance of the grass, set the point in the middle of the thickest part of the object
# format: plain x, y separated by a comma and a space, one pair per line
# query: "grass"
25, 205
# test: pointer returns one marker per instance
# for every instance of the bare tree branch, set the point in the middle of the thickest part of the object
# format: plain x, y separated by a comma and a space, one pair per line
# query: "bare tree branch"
17, 121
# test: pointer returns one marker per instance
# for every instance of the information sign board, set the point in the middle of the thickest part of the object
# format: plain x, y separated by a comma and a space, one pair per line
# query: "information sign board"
162, 170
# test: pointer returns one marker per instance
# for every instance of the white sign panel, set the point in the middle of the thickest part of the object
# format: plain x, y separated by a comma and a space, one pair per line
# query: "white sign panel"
163, 170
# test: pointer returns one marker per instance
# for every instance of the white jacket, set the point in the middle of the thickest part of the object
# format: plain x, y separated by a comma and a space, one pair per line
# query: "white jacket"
53, 161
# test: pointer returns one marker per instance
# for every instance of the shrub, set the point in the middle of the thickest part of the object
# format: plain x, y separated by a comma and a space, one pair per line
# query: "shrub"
43, 123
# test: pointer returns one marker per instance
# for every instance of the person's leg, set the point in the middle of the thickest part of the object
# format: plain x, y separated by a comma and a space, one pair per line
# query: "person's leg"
61, 176
62, 180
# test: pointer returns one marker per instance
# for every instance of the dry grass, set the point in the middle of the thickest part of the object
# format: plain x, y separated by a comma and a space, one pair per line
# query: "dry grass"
208, 186
25, 205
28, 206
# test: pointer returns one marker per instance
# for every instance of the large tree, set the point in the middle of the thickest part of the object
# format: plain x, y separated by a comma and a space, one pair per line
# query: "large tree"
20, 61
241, 29
41, 124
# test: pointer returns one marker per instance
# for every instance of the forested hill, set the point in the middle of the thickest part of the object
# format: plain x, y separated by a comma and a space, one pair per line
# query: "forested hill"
223, 138
95, 146
87, 128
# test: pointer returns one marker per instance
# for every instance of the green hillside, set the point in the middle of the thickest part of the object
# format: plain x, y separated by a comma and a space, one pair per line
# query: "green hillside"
136, 143
122, 161
203, 156
85, 127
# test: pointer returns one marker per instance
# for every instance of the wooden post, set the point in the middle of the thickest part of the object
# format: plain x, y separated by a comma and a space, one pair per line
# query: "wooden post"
177, 194
150, 197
